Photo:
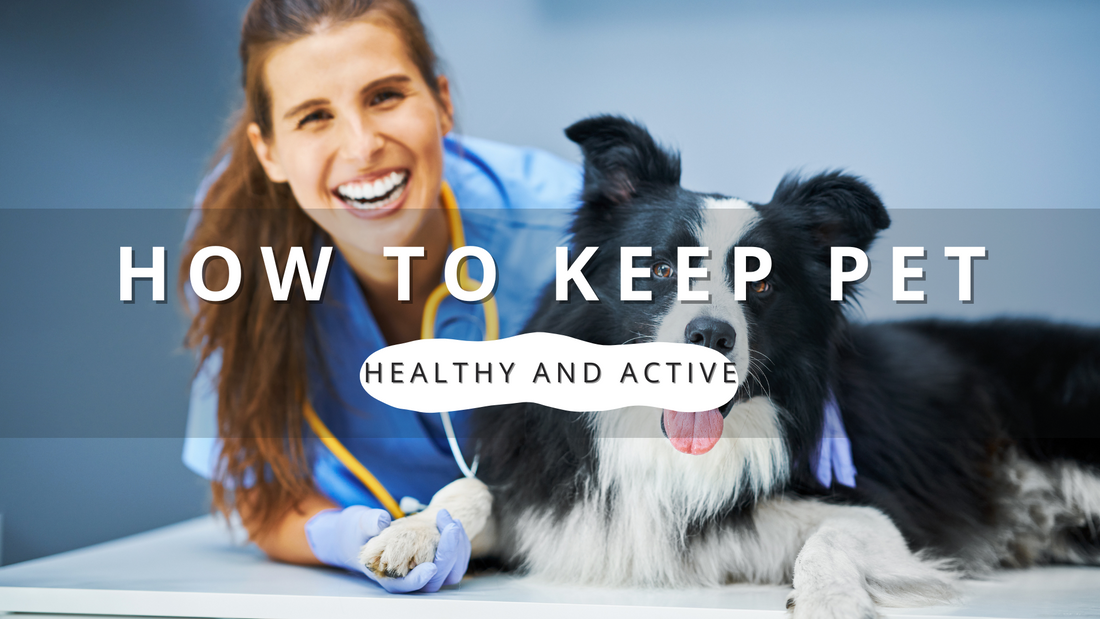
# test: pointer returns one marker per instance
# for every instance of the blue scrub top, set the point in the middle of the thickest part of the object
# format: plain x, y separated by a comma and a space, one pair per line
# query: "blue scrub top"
517, 204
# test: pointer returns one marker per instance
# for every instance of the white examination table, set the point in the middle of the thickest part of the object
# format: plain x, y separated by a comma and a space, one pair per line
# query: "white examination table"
195, 569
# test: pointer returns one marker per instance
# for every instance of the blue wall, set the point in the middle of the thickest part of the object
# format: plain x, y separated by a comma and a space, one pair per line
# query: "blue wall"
109, 112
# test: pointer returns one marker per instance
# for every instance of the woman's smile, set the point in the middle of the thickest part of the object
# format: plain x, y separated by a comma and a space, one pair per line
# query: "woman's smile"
374, 195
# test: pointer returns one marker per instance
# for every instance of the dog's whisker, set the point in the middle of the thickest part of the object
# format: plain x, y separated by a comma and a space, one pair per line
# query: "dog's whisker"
639, 337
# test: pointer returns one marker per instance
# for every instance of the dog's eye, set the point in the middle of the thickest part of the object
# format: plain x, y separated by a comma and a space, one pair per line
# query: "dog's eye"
761, 286
662, 270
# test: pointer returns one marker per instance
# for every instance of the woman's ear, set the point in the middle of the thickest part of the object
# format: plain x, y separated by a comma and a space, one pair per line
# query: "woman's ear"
266, 154
447, 122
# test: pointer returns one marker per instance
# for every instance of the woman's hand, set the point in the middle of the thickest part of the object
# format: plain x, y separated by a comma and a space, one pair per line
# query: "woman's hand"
335, 537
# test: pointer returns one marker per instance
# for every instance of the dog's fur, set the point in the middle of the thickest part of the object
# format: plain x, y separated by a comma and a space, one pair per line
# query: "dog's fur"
974, 442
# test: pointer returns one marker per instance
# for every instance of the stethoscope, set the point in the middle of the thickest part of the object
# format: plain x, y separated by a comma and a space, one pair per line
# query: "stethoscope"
427, 331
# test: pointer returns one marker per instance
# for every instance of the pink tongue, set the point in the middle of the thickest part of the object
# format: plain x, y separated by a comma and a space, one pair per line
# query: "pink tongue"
693, 433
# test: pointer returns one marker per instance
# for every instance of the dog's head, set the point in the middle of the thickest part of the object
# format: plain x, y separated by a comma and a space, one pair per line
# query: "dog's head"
782, 335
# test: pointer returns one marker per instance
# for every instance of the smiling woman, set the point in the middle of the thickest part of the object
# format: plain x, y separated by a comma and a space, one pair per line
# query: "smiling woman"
343, 140
361, 145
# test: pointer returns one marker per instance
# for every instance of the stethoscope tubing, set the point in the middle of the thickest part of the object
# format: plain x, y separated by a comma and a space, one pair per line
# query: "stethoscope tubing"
427, 332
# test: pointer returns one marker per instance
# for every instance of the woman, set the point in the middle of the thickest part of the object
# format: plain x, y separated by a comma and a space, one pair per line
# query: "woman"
342, 141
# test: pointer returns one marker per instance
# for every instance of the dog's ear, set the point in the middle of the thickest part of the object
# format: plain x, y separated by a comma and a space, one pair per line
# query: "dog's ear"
840, 210
621, 159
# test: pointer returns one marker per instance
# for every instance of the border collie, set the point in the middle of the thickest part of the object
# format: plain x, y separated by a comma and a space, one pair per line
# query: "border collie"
867, 464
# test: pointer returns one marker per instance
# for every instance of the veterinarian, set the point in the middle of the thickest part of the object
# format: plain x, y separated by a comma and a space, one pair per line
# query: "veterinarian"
342, 141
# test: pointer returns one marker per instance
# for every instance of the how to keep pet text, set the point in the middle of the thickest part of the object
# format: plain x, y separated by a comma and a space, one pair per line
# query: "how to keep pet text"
847, 265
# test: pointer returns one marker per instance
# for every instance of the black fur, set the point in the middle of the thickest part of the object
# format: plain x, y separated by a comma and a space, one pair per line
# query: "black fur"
935, 408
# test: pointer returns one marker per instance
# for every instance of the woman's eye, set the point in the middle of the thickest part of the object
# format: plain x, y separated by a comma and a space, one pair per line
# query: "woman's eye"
662, 270
386, 96
761, 286
316, 116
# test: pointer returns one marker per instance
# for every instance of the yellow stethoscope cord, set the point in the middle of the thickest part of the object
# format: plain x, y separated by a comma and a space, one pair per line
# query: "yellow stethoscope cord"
352, 463
458, 239
427, 331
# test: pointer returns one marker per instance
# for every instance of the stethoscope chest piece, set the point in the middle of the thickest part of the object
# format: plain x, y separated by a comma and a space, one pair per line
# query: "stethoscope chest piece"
409, 505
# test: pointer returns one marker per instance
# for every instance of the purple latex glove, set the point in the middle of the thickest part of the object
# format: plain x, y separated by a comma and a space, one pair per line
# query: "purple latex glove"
335, 536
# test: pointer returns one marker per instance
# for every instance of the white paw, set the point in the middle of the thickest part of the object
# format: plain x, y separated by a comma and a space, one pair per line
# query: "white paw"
835, 604
405, 544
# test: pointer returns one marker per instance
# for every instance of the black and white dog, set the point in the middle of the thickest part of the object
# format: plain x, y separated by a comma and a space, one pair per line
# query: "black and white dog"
975, 443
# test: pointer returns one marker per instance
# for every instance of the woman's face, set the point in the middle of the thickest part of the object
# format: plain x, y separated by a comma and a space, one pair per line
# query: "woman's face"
357, 134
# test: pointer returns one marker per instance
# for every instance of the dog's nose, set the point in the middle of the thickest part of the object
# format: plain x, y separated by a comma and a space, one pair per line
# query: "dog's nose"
712, 333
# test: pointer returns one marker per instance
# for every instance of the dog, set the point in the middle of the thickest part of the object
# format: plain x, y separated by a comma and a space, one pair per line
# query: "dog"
972, 444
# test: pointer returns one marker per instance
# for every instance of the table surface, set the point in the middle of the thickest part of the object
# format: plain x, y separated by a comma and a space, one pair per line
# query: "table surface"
200, 568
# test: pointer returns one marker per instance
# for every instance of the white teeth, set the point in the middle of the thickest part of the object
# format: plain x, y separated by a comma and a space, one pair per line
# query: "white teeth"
361, 194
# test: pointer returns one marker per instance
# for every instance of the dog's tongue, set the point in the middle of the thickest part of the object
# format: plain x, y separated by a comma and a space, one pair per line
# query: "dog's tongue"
693, 433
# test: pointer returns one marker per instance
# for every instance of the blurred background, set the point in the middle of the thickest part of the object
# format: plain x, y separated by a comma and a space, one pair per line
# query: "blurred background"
977, 122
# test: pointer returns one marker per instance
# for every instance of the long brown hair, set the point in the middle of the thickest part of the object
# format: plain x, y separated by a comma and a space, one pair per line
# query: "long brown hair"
263, 382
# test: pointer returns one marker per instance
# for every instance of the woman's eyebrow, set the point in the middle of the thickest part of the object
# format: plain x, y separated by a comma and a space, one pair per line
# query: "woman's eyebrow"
303, 106
389, 79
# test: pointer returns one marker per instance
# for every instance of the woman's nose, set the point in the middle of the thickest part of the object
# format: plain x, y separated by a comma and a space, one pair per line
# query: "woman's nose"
361, 141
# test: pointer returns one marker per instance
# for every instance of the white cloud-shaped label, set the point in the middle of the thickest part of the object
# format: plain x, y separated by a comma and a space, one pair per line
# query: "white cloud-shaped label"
432, 376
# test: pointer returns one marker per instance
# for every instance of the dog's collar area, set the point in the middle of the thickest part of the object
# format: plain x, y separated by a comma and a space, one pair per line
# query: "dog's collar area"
834, 452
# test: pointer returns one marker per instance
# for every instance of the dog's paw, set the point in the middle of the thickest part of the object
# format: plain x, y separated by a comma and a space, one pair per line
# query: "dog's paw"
852, 604
405, 544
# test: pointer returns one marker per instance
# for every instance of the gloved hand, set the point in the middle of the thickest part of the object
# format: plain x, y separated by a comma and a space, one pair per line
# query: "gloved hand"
335, 537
